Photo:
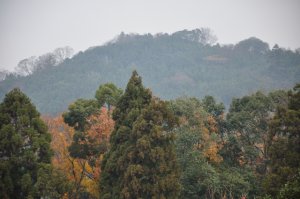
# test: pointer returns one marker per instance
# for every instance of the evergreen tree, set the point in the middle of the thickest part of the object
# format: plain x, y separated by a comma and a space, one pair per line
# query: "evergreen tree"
78, 112
76, 117
284, 148
24, 146
108, 94
197, 145
210, 105
247, 120
125, 114
152, 171
141, 161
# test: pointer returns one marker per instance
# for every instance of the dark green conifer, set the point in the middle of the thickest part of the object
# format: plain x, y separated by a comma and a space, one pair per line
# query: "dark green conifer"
152, 170
141, 162
24, 146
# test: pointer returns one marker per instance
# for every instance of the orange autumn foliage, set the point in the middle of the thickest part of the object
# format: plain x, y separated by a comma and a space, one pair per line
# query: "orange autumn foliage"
80, 173
209, 144
62, 136
101, 125
210, 139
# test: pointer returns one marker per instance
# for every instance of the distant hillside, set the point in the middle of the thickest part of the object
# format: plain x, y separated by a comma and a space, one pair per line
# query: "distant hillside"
3, 74
182, 63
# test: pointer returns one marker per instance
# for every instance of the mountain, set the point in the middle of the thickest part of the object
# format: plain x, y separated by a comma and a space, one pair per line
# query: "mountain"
32, 64
3, 74
172, 65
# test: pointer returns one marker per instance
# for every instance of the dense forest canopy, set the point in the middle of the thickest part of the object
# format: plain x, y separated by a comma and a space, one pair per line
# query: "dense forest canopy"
131, 144
186, 62
212, 121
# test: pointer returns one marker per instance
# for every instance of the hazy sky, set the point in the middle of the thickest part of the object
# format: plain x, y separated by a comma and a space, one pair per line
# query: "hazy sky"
34, 27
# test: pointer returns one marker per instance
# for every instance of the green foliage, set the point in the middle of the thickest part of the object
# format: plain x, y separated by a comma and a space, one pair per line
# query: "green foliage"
78, 113
152, 171
217, 111
200, 177
187, 108
235, 182
108, 94
210, 106
266, 197
247, 127
141, 162
194, 169
292, 188
128, 108
172, 65
232, 151
196, 172
77, 117
51, 183
247, 120
24, 146
278, 98
284, 148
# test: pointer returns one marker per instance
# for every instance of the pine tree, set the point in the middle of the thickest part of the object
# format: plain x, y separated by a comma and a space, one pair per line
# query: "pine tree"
141, 162
24, 146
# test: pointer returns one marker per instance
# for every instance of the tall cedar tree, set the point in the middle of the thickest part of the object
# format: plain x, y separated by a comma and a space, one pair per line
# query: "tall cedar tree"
141, 161
24, 146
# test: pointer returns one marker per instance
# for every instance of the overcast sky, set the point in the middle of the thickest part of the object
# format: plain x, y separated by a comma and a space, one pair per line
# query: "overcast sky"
34, 27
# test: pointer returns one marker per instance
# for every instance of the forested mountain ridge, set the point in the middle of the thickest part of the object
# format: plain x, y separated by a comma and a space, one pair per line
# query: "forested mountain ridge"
182, 63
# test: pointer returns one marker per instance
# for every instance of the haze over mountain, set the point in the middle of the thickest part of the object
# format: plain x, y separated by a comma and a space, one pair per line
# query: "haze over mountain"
172, 65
